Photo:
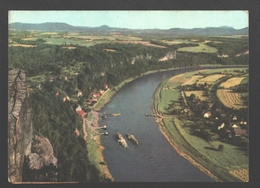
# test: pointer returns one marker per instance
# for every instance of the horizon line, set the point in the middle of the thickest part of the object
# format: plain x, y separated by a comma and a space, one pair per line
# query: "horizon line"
131, 28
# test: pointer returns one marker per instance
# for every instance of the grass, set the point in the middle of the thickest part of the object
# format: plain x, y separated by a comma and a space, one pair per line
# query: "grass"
24, 45
59, 41
167, 96
224, 70
206, 65
210, 79
94, 154
103, 100
198, 49
192, 80
90, 116
175, 41
82, 40
145, 43
105, 37
245, 80
198, 93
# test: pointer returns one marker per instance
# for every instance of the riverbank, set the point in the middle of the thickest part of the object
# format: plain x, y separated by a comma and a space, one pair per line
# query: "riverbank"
183, 146
218, 165
107, 95
94, 147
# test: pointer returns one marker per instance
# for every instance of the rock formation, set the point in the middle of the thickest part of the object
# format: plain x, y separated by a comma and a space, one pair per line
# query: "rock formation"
21, 140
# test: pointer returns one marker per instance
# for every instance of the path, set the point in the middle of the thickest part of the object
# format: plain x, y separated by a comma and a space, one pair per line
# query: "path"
93, 121
99, 99
158, 115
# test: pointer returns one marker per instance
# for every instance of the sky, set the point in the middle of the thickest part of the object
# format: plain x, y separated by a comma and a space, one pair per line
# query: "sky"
145, 19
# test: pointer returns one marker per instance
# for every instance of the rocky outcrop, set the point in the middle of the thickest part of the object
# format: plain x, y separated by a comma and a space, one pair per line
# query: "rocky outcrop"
168, 56
19, 122
21, 140
42, 153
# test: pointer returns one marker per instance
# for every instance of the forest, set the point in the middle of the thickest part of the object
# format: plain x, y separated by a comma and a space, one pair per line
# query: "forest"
229, 46
57, 122
88, 69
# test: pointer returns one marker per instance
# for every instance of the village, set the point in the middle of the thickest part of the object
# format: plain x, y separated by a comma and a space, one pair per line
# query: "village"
208, 114
204, 117
212, 118
92, 123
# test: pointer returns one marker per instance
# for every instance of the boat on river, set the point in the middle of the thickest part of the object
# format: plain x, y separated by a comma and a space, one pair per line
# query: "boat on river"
121, 140
132, 138
104, 116
117, 114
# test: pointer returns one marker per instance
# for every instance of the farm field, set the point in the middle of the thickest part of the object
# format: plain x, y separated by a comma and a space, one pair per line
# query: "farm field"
232, 82
210, 79
84, 40
242, 174
145, 43
60, 41
69, 47
233, 71
23, 45
197, 49
230, 99
198, 93
192, 80
103, 37
49, 33
176, 41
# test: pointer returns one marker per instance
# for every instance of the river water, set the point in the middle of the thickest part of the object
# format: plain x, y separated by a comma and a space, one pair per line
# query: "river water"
154, 159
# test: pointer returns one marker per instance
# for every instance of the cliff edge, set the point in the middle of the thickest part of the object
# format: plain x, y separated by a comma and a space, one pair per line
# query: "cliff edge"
21, 138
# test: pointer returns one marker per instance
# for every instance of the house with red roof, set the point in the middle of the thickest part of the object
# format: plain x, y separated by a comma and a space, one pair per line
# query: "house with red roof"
96, 95
81, 113
239, 132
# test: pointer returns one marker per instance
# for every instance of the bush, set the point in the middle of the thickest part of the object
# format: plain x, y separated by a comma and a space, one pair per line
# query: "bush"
220, 147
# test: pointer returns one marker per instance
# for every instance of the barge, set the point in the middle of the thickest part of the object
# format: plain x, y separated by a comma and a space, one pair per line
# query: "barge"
121, 140
132, 138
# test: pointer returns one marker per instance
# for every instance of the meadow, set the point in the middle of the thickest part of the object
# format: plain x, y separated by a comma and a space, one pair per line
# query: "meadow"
198, 49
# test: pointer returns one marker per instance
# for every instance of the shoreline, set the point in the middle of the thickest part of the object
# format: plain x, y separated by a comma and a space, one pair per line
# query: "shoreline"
99, 105
109, 95
96, 152
167, 137
179, 151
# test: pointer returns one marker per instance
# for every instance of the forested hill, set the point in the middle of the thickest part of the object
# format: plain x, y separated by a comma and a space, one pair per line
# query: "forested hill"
208, 31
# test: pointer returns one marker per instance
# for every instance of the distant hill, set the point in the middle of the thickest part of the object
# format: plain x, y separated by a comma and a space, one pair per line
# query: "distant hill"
54, 26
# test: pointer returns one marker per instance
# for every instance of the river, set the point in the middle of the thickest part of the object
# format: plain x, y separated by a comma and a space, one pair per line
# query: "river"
154, 159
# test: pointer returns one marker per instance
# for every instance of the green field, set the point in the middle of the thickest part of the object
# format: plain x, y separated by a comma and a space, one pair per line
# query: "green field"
60, 41
245, 80
78, 39
197, 49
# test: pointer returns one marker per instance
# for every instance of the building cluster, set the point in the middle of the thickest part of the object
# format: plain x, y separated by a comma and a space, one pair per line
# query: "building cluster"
226, 123
96, 95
